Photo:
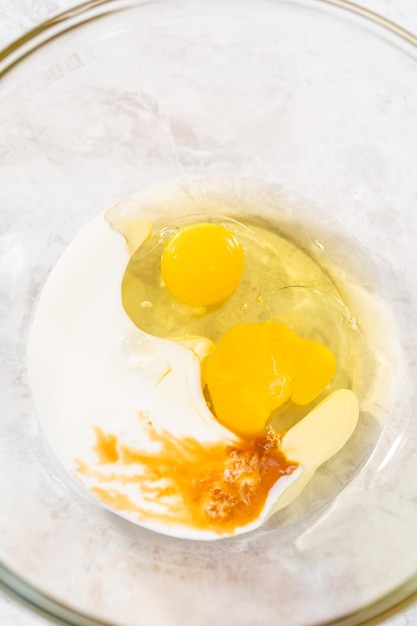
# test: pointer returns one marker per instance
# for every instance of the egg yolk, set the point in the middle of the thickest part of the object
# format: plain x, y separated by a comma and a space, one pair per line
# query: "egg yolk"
256, 368
202, 264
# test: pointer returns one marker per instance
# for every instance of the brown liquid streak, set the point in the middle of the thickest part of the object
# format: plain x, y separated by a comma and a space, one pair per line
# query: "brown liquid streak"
210, 486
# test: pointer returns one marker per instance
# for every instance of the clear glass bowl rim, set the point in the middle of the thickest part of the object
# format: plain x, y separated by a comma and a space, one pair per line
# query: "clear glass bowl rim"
393, 602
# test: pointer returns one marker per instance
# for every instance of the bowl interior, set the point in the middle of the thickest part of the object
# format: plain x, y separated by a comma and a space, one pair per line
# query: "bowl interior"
304, 114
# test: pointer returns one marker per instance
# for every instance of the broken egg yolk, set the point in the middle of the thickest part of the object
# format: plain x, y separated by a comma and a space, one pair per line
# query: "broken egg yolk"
256, 368
202, 264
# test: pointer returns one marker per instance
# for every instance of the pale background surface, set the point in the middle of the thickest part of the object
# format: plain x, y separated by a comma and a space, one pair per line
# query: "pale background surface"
17, 16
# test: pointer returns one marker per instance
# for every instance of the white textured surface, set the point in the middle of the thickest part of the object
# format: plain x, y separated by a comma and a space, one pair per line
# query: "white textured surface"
16, 16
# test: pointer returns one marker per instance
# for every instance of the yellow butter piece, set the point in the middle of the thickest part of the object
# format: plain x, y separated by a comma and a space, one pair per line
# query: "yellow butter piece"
318, 437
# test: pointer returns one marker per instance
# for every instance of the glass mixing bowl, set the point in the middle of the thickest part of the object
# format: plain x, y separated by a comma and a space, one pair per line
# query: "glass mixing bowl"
310, 108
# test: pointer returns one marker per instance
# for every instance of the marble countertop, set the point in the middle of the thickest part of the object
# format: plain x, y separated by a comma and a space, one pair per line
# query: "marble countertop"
16, 17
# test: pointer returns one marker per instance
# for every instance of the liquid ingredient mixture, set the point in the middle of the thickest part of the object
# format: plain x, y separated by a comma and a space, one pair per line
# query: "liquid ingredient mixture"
167, 401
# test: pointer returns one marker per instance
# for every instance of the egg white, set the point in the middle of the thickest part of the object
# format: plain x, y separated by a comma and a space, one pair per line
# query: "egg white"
90, 366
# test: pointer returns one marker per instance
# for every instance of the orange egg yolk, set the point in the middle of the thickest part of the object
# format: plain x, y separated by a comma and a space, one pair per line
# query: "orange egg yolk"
256, 368
202, 264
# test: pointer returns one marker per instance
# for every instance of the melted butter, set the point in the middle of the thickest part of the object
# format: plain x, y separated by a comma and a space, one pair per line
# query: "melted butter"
211, 486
